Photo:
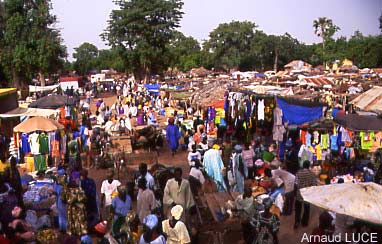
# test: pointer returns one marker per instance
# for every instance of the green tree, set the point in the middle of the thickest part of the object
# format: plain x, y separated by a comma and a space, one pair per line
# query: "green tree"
30, 45
110, 59
185, 52
380, 22
364, 51
324, 28
230, 42
142, 29
86, 55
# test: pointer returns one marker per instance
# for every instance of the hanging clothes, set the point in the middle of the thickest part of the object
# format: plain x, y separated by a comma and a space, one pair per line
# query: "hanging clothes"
377, 142
260, 110
40, 162
367, 139
308, 138
325, 141
333, 143
316, 136
43, 143
25, 147
302, 137
33, 141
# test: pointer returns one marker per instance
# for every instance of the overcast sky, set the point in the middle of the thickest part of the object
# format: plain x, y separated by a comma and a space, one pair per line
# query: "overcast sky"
83, 20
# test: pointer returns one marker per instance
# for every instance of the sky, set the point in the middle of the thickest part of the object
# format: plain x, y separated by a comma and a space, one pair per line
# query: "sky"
84, 20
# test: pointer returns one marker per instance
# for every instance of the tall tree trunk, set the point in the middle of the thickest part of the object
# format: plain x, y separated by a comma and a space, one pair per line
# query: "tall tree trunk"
19, 84
42, 78
276, 60
323, 52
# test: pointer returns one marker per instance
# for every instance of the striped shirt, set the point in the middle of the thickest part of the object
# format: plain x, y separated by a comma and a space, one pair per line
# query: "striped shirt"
304, 178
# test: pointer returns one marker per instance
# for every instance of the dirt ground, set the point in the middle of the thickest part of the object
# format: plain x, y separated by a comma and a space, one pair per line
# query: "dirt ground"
286, 235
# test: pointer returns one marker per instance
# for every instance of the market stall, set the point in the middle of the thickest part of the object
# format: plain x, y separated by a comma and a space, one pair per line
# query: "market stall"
66, 104
38, 138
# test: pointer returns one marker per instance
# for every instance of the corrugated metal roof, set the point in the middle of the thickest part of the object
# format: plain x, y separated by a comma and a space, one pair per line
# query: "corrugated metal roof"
370, 100
319, 81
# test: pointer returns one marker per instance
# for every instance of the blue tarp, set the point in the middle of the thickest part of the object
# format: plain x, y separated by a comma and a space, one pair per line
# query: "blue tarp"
259, 75
153, 88
297, 114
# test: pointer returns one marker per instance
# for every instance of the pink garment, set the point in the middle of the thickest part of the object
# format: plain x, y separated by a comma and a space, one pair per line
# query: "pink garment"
248, 156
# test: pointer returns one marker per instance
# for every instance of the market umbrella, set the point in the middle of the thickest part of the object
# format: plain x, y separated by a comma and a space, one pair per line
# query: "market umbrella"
53, 102
38, 124
359, 200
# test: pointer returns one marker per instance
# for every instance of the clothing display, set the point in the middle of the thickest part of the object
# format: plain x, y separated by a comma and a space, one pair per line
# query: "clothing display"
42, 140
33, 140
260, 110
40, 162
25, 147
367, 140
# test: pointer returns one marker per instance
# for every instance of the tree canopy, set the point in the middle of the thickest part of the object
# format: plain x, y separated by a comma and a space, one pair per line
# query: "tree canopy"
229, 43
86, 55
31, 46
185, 52
141, 30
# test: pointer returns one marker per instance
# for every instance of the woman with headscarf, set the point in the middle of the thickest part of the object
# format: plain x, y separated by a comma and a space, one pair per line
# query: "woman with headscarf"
172, 135
151, 231
175, 229
267, 225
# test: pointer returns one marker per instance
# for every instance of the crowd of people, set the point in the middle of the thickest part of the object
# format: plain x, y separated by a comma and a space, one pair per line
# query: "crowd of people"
138, 210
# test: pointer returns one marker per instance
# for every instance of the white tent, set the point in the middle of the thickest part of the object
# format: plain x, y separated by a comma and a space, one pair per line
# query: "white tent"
42, 88
30, 112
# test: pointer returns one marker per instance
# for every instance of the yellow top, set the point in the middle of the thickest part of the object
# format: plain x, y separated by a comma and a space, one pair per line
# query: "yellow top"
6, 91
3, 166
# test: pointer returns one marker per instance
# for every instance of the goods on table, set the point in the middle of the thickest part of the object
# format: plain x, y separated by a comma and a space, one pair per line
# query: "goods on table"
347, 178
39, 195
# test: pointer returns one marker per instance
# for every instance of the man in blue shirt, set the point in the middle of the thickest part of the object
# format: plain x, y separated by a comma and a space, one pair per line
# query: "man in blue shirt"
121, 204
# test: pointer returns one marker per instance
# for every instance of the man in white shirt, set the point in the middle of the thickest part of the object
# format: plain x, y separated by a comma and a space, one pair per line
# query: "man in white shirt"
288, 180
178, 192
193, 155
108, 190
100, 119
133, 111
150, 182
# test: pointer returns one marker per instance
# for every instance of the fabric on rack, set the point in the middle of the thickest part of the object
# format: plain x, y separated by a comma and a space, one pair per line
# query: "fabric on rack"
377, 142
324, 141
33, 141
367, 139
260, 110
40, 162
316, 136
25, 147
302, 137
308, 139
333, 143
44, 143
30, 164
